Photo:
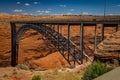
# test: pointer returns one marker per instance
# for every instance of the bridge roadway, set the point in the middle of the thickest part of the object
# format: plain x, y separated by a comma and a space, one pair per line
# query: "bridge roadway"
68, 49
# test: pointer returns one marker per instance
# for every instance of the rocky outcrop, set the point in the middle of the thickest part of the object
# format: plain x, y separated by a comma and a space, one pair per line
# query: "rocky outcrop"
109, 48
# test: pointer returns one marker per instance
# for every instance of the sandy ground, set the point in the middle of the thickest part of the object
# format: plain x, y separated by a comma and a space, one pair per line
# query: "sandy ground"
10, 73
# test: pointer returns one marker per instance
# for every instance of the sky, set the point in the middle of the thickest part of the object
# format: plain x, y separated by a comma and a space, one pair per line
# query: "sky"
60, 7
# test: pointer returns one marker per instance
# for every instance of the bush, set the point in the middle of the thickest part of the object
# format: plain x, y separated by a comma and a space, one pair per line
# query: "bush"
94, 70
22, 66
36, 77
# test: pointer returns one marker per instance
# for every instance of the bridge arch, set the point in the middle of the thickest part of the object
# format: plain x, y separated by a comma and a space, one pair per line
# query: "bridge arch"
17, 37
25, 28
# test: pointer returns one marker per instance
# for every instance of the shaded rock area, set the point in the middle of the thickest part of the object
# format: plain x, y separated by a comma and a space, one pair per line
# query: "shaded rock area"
109, 49
5, 46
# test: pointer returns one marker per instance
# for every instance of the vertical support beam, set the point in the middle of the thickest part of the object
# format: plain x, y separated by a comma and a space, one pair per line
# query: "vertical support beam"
61, 29
103, 31
68, 41
74, 54
17, 48
50, 25
58, 37
81, 41
53, 27
95, 38
14, 54
117, 27
45, 30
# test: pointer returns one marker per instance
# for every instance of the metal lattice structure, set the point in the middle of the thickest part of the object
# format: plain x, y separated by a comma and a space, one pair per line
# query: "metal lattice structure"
68, 49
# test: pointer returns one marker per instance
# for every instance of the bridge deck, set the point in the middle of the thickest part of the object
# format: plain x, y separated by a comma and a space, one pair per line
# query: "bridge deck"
68, 22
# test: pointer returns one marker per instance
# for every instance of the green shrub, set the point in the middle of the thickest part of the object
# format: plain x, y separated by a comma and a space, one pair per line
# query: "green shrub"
36, 77
22, 66
94, 70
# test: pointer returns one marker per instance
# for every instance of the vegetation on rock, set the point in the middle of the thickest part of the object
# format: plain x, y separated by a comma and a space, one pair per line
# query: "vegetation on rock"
22, 66
94, 70
36, 77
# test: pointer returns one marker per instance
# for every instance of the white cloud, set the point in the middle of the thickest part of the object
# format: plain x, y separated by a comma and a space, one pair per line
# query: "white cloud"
62, 5
47, 12
30, 14
40, 11
85, 13
27, 4
71, 9
35, 2
25, 13
18, 10
44, 11
18, 3
68, 13
57, 14
110, 14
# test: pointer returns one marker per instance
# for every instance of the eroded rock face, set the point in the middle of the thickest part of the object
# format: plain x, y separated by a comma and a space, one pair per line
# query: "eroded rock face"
109, 48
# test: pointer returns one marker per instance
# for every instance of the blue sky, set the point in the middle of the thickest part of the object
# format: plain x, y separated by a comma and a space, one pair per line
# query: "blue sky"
58, 7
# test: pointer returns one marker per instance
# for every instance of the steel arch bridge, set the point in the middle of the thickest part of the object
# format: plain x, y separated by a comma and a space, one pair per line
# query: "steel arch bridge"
68, 49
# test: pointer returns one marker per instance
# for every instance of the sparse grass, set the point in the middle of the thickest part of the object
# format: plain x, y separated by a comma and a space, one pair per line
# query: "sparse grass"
62, 76
22, 66
5, 77
72, 66
55, 72
14, 72
36, 77
32, 70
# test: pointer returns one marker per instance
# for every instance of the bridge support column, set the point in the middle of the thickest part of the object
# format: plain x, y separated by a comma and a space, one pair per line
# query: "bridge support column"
68, 41
103, 32
61, 29
81, 41
117, 27
45, 31
53, 28
95, 38
58, 37
14, 54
